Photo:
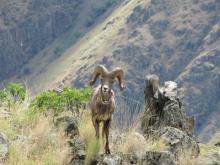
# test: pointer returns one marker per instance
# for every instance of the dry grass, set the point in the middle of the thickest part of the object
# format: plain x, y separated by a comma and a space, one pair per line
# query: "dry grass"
187, 160
121, 141
87, 132
206, 149
33, 139
135, 142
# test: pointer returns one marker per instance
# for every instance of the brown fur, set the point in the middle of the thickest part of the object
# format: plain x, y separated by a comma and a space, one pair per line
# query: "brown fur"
103, 102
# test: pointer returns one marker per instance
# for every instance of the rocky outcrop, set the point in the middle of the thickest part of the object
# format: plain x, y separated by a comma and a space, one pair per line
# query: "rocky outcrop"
76, 143
148, 158
178, 142
163, 108
165, 119
162, 158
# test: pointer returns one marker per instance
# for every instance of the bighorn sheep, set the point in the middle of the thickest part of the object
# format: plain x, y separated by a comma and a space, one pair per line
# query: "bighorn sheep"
103, 99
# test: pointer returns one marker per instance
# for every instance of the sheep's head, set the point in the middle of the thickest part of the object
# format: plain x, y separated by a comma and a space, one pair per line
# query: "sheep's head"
108, 78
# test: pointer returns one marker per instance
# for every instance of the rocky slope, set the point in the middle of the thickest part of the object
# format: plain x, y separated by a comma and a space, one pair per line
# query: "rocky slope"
29, 26
176, 40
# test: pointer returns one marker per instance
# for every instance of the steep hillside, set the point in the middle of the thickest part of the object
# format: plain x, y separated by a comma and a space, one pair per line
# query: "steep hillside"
178, 40
29, 26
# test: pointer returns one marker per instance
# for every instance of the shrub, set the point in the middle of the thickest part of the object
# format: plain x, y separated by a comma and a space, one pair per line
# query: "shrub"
3, 97
74, 99
47, 101
71, 99
16, 92
13, 93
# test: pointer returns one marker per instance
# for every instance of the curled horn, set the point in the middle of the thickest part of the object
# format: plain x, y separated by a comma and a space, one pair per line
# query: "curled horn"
100, 70
119, 74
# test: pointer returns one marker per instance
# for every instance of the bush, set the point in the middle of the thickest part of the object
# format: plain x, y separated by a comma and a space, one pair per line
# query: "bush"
16, 92
3, 97
12, 94
46, 101
71, 99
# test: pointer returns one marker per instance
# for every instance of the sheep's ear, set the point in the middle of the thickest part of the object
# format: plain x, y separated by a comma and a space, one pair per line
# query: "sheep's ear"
99, 70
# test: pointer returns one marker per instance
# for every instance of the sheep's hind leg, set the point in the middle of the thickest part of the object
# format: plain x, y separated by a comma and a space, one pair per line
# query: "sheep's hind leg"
106, 127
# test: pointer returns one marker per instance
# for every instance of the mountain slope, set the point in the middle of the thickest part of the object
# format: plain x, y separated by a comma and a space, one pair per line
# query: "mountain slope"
171, 39
29, 26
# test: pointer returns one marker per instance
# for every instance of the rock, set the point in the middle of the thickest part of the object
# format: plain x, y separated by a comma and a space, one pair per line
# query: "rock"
133, 159
164, 118
3, 147
178, 142
70, 123
108, 160
77, 144
163, 107
158, 158
81, 154
20, 139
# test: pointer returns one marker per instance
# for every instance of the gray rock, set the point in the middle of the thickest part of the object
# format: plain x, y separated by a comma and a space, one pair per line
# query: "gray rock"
109, 160
163, 108
178, 142
81, 154
158, 158
76, 143
20, 139
70, 123
164, 118
3, 147
133, 159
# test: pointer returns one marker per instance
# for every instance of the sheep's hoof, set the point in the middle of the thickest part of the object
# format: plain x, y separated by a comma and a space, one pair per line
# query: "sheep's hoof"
107, 151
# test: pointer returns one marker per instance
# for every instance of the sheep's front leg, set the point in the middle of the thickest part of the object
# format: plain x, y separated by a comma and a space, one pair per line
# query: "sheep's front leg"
106, 127
96, 125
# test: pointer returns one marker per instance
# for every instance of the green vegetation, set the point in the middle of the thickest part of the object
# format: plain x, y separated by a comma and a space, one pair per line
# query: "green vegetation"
70, 99
13, 93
